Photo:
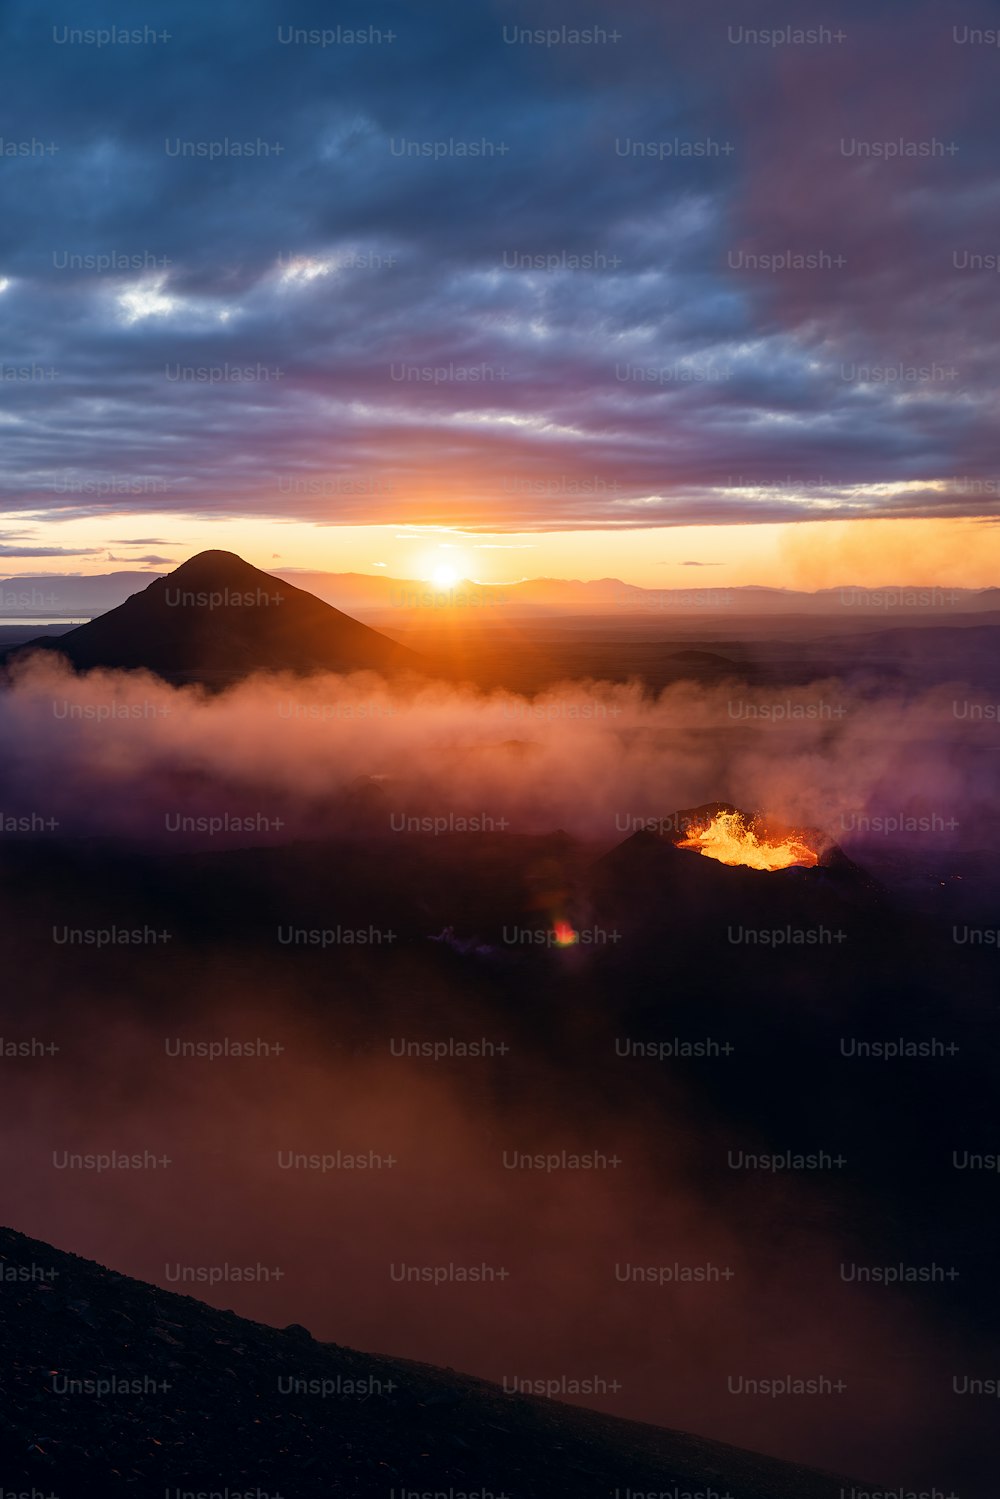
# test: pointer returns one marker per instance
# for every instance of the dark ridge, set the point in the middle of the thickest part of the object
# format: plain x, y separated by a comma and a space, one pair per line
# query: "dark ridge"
204, 1402
708, 659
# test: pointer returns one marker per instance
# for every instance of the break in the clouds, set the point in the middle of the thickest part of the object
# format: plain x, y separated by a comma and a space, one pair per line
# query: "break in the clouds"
499, 265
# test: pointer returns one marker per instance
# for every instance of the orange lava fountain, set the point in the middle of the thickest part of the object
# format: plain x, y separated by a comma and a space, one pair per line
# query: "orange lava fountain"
728, 839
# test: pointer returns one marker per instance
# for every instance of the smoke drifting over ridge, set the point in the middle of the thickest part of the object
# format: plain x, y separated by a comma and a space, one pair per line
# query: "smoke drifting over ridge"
112, 753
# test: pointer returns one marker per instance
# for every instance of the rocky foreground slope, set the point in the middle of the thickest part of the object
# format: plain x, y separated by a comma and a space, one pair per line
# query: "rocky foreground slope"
113, 1386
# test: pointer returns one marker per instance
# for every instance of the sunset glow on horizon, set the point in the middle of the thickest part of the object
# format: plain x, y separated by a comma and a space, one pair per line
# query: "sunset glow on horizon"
806, 556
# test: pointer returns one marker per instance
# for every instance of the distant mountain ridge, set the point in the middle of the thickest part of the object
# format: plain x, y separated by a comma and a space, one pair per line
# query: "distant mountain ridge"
69, 593
542, 596
377, 594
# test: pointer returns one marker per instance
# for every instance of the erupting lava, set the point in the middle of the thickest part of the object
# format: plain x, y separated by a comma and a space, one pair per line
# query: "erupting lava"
728, 839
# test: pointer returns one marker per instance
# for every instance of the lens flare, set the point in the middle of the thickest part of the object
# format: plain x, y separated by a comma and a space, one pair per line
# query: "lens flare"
728, 839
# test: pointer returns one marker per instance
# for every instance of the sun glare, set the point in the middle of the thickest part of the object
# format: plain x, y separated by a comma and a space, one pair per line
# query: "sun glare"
444, 578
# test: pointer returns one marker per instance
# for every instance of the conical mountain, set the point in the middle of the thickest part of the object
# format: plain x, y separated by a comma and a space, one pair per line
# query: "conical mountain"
218, 618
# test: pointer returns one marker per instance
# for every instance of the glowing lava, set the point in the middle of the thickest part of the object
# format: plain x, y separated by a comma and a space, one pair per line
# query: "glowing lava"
728, 839
564, 934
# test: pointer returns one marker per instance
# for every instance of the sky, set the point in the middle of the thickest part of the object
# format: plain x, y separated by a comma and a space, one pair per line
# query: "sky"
556, 290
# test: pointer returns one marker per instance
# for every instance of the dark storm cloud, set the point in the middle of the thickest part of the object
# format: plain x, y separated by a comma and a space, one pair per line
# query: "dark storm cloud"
570, 330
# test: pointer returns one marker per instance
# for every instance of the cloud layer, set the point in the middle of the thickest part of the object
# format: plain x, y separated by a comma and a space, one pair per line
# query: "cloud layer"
113, 754
718, 274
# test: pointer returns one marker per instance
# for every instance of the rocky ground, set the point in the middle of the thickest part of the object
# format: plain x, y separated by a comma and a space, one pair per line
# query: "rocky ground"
111, 1385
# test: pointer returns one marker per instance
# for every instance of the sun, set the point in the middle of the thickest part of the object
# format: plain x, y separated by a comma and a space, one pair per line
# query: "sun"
444, 579
445, 568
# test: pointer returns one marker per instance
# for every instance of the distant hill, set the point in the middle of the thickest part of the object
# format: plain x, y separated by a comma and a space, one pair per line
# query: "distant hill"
202, 1399
217, 617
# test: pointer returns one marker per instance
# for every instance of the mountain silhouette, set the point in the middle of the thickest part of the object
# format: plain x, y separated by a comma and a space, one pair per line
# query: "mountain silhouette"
218, 618
201, 1398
